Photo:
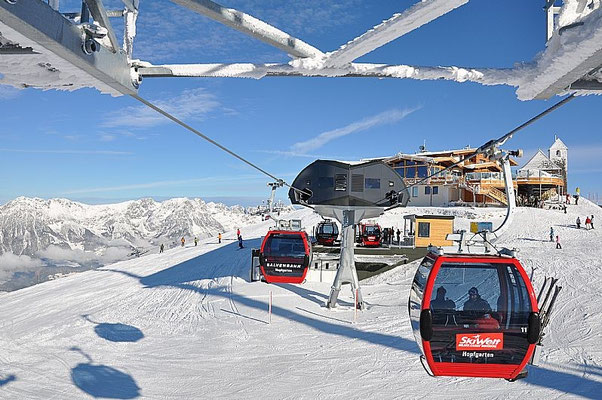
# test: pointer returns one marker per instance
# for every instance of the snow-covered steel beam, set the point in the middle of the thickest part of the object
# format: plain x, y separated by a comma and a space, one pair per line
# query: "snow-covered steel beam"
251, 26
47, 31
416, 16
99, 13
256, 71
571, 54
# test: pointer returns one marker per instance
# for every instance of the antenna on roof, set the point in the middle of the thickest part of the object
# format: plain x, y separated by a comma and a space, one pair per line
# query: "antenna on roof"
423, 147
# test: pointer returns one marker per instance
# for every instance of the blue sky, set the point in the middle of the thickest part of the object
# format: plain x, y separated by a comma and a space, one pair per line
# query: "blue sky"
91, 147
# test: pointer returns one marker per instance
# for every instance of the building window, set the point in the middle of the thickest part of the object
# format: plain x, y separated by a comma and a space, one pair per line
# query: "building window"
340, 182
424, 229
427, 190
415, 191
435, 189
372, 183
422, 171
558, 153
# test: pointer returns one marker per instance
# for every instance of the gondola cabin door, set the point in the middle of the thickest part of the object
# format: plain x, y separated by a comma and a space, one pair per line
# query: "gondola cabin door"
474, 316
285, 256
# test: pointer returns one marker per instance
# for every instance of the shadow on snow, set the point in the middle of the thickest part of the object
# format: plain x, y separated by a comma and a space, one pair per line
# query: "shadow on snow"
179, 276
103, 381
7, 379
116, 332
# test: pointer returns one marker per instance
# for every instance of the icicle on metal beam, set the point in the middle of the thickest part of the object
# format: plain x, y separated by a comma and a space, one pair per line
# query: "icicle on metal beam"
485, 76
400, 24
50, 32
251, 26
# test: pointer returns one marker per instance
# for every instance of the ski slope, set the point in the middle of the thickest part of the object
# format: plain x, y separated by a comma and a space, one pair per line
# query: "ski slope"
188, 324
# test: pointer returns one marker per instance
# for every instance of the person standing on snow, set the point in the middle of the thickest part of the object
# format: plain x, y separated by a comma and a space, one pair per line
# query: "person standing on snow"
587, 222
578, 223
219, 237
161, 248
196, 241
591, 221
398, 236
551, 234
240, 246
558, 246
183, 241
238, 232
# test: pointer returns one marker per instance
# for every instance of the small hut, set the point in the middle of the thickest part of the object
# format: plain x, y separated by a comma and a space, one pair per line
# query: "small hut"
425, 230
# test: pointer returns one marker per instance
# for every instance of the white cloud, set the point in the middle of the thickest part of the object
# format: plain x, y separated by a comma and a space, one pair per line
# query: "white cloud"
192, 104
11, 263
387, 117
59, 254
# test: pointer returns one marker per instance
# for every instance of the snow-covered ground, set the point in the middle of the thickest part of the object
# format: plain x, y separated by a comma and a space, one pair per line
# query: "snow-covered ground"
188, 324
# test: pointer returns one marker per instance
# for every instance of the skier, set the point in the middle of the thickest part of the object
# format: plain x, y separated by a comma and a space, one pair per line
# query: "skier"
196, 240
568, 198
183, 241
558, 246
238, 232
587, 222
219, 237
551, 234
161, 248
576, 199
240, 246
591, 221
579, 223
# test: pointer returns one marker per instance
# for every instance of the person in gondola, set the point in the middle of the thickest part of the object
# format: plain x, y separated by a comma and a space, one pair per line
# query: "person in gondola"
475, 302
441, 302
443, 308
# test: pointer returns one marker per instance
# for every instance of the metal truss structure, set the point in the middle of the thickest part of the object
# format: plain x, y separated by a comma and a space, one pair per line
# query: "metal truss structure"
73, 50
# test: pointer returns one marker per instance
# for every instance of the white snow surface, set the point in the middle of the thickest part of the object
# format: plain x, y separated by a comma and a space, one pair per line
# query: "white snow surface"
188, 324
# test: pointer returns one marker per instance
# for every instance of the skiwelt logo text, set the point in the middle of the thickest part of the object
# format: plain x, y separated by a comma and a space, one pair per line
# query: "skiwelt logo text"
479, 341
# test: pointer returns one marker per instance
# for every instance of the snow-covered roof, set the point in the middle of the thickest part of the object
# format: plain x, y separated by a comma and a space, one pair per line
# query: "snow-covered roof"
540, 161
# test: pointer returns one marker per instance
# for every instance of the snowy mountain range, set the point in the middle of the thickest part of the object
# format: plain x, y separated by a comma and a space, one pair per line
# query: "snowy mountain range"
58, 232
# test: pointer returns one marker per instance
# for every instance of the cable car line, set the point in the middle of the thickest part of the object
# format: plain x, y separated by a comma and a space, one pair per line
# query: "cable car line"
207, 138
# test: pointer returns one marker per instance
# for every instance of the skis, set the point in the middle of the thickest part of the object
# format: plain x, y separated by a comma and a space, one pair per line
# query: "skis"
551, 289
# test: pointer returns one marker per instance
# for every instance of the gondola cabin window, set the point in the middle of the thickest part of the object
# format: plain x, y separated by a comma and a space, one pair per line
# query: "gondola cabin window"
424, 229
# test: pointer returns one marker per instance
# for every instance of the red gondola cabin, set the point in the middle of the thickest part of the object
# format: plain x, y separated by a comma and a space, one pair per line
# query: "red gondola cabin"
326, 233
370, 235
474, 315
285, 256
